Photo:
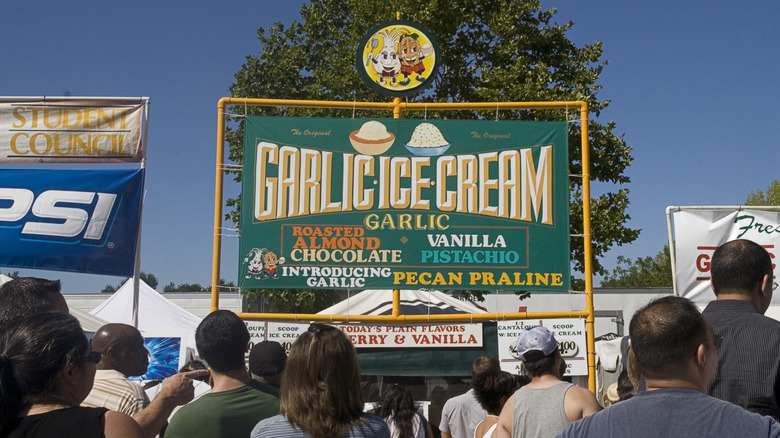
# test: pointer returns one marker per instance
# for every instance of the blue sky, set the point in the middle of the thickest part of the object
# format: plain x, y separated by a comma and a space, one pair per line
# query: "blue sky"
694, 86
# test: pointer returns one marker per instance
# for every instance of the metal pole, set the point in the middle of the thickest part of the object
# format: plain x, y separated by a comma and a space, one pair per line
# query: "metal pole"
589, 308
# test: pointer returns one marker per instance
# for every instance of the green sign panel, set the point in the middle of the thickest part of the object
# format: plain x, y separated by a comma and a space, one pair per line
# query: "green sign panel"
337, 203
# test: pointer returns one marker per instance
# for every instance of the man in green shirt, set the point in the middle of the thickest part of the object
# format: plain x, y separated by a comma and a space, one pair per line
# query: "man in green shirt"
236, 403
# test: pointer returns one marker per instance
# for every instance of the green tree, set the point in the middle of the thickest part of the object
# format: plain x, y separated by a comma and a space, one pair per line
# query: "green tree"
148, 278
492, 50
772, 196
225, 286
14, 274
297, 300
642, 272
184, 287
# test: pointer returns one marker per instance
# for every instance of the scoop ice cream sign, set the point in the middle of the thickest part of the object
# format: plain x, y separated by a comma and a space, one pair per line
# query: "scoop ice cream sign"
350, 203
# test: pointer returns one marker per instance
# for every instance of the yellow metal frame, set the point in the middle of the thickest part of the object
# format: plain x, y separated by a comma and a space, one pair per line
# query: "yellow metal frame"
398, 107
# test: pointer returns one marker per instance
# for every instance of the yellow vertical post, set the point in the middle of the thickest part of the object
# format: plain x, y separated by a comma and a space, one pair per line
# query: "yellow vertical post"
589, 321
217, 245
396, 292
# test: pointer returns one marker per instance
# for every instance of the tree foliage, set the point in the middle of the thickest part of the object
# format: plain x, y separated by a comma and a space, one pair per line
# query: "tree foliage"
772, 196
185, 287
224, 286
642, 272
491, 50
297, 300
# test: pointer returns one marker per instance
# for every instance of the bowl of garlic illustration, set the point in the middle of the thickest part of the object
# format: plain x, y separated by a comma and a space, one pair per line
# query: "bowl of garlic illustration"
427, 141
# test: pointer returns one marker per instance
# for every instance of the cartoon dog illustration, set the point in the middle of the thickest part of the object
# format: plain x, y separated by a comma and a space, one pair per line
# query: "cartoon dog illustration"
412, 55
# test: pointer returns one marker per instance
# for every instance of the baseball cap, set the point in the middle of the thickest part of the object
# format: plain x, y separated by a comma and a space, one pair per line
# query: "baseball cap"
535, 339
267, 359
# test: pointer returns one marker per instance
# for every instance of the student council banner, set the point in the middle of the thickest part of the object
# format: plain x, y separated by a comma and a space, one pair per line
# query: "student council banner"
699, 232
72, 129
70, 220
404, 203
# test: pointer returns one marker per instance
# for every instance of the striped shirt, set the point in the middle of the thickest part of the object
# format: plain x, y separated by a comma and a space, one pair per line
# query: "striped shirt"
748, 356
113, 391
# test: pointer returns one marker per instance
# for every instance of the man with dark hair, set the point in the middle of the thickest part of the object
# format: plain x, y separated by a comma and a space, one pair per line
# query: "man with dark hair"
27, 296
461, 415
675, 350
547, 405
236, 402
124, 355
748, 370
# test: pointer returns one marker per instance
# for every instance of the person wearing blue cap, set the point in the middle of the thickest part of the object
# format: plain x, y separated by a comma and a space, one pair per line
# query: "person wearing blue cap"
547, 405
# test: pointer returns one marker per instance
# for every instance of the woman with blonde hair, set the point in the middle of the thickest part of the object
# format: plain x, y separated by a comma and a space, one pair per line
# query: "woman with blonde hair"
321, 395
46, 371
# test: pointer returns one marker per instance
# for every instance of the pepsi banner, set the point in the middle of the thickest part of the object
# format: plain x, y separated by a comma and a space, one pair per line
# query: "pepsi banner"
70, 220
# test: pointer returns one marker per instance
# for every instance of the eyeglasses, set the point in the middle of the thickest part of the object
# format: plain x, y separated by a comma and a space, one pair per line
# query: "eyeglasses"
717, 340
93, 357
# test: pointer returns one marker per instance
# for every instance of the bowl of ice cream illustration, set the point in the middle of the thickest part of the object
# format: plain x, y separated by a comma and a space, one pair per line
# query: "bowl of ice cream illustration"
427, 141
372, 138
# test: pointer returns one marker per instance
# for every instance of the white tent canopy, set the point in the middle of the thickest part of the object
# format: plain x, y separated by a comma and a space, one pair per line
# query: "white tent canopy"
156, 315
4, 278
413, 302
89, 323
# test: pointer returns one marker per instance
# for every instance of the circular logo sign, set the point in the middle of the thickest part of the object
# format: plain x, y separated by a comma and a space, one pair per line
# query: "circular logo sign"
398, 58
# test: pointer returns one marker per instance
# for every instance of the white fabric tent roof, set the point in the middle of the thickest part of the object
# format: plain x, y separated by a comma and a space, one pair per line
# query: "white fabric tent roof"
413, 302
156, 315
89, 323
4, 278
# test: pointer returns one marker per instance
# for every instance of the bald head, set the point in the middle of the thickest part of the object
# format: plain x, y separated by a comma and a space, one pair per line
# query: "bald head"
123, 349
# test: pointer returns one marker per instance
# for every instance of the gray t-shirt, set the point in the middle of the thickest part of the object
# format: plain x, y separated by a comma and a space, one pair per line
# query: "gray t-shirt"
461, 415
671, 413
539, 412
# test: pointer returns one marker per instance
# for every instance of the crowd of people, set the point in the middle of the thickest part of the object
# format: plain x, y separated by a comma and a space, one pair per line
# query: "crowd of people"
689, 373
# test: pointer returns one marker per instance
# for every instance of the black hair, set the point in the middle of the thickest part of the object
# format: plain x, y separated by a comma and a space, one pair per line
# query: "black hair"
625, 387
738, 265
33, 352
537, 364
221, 339
664, 333
491, 388
25, 296
398, 408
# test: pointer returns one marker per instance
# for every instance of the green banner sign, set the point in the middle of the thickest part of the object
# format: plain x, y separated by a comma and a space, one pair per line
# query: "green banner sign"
337, 203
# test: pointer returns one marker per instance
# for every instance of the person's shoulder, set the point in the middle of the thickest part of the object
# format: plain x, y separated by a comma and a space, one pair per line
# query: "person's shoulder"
274, 426
579, 393
263, 387
373, 427
118, 424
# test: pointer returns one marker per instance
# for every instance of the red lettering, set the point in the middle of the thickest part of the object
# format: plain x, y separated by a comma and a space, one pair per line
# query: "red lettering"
703, 263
